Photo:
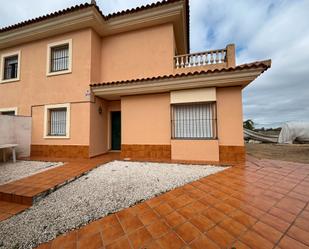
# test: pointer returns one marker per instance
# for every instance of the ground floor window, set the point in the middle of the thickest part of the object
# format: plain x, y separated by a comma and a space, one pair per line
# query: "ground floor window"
57, 119
8, 111
194, 121
57, 122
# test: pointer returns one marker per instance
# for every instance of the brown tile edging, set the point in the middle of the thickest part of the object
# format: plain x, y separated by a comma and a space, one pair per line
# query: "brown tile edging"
64, 151
29, 190
146, 151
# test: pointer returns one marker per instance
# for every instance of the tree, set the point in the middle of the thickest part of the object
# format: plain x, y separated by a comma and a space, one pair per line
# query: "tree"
248, 124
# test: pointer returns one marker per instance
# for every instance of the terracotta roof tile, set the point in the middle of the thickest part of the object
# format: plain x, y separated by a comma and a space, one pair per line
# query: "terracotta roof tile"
258, 64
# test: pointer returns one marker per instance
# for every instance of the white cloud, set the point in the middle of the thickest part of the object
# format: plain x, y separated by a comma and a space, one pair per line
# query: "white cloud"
276, 29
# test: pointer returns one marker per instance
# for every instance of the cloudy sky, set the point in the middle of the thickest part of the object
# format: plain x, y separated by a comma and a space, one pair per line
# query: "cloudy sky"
275, 29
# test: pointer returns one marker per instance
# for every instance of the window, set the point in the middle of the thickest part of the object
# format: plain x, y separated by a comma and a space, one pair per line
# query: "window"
8, 111
194, 121
57, 121
59, 58
10, 67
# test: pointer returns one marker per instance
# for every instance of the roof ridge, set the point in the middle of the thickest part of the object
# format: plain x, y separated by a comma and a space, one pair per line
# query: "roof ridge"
83, 6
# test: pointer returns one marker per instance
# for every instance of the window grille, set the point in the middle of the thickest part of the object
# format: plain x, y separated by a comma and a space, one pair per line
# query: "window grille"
60, 58
10, 67
194, 121
57, 122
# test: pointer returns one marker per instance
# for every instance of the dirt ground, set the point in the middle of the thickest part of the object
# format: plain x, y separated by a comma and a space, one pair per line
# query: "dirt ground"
293, 153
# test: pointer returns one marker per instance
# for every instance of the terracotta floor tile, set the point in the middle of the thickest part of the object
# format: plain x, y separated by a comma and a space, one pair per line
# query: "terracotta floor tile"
254, 240
180, 201
91, 242
243, 218
110, 220
122, 243
70, 246
267, 232
152, 245
187, 232
288, 243
131, 224
89, 229
148, 217
209, 200
291, 205
233, 227
304, 214
215, 215
202, 222
170, 241
204, 242
299, 234
163, 209
302, 223
240, 245
158, 229
154, 202
224, 208
282, 214
112, 233
275, 222
141, 208
139, 238
221, 237
174, 219
62, 240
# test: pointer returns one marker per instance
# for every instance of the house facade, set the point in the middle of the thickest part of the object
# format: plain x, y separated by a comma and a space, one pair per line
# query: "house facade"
124, 82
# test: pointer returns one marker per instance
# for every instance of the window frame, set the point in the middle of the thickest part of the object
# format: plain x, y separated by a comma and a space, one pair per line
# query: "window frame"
10, 109
2, 71
214, 120
50, 46
47, 109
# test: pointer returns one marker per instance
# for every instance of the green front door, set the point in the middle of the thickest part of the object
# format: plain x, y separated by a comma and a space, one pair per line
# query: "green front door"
116, 130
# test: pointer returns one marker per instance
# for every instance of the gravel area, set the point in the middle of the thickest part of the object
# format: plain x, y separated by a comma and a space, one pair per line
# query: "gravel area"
10, 171
107, 189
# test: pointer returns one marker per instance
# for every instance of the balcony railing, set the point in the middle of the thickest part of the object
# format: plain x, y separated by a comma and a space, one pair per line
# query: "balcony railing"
212, 57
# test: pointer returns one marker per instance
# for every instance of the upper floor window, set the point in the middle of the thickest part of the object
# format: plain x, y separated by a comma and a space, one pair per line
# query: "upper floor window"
59, 58
10, 67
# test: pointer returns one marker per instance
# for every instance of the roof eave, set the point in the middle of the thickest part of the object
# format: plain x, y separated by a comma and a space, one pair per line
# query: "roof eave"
219, 79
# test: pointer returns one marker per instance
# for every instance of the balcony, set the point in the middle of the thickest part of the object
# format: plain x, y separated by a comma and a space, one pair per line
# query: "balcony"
209, 60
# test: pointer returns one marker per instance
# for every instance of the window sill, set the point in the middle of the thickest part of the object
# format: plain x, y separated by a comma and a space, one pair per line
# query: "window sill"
58, 73
56, 137
9, 81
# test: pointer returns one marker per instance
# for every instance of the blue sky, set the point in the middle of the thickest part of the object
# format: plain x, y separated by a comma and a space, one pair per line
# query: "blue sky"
275, 29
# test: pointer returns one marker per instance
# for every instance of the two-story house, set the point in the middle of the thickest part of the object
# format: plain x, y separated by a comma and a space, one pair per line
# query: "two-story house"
125, 82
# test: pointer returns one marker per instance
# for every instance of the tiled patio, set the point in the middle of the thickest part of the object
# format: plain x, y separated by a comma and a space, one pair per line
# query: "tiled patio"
262, 205
18, 195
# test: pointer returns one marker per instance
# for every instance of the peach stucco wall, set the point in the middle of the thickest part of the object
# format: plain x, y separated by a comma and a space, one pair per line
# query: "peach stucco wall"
138, 54
195, 150
79, 128
230, 116
35, 89
146, 119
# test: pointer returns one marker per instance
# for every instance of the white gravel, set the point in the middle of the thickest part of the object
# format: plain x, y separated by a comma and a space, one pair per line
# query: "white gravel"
10, 171
107, 189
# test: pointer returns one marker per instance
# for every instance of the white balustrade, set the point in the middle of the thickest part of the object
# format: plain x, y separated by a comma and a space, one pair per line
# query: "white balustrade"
200, 59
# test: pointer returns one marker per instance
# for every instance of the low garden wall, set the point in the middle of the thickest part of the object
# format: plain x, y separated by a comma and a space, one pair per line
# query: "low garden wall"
16, 130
